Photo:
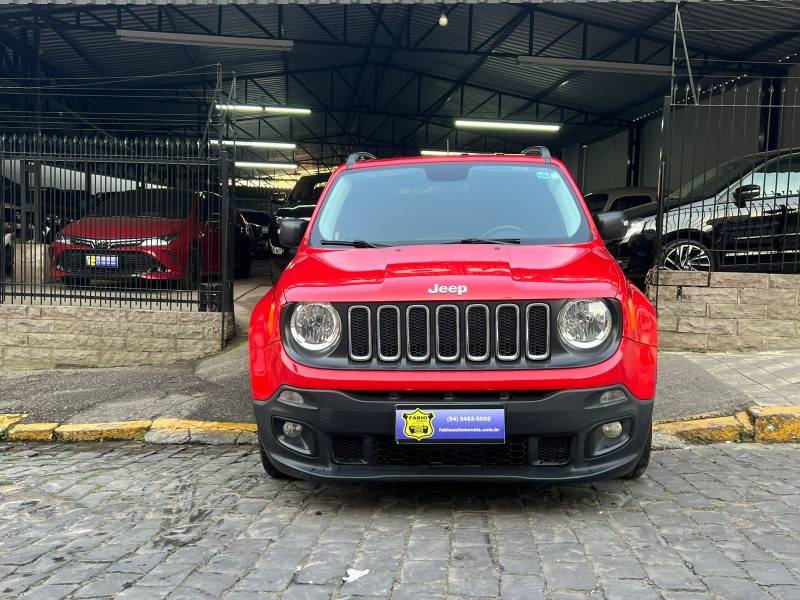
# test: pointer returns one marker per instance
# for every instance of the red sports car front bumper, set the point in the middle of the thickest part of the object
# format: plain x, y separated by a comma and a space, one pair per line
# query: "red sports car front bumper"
155, 263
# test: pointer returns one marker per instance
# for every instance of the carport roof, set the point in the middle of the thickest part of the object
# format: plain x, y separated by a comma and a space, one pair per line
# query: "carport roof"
381, 76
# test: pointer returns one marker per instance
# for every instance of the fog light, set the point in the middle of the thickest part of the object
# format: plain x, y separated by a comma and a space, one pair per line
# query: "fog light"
292, 430
291, 397
611, 430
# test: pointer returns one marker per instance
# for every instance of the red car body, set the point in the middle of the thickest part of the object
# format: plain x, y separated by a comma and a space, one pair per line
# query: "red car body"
142, 247
359, 403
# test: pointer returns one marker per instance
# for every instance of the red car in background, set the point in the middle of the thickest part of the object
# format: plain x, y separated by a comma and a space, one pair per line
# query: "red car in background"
148, 234
453, 318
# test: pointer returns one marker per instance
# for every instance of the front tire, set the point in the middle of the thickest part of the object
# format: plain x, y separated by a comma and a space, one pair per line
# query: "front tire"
644, 459
269, 468
687, 255
193, 269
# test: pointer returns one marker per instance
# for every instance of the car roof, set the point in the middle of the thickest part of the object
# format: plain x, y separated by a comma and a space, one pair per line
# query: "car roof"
456, 158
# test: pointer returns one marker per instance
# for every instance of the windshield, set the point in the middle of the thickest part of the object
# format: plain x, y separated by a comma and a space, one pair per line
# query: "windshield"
165, 204
451, 202
254, 216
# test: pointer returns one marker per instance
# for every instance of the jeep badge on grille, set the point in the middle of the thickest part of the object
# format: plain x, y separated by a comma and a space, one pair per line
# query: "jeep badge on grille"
448, 289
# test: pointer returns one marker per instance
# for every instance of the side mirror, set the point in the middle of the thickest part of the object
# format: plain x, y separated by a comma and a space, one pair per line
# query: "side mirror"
745, 193
611, 225
291, 232
279, 198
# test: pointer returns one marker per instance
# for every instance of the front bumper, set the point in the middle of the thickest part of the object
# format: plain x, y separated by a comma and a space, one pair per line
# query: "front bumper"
134, 262
349, 435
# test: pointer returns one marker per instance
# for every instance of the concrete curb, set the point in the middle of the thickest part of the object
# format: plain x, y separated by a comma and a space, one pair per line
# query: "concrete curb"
158, 431
767, 425
773, 424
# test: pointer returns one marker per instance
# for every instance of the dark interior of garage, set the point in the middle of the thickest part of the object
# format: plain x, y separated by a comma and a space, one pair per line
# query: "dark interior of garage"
643, 101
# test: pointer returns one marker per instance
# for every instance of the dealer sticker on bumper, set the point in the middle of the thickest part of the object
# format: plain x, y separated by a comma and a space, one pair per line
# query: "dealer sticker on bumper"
449, 425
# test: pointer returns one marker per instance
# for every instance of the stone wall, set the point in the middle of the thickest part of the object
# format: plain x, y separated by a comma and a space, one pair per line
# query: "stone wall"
42, 337
722, 312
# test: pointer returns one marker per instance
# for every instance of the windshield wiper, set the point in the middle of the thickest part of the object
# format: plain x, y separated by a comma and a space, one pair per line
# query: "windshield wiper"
487, 241
353, 243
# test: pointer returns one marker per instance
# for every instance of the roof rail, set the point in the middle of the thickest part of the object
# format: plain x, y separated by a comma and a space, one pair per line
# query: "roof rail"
540, 151
357, 156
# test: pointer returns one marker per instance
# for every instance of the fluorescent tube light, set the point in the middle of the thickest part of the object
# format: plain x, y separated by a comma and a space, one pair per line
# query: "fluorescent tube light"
285, 110
258, 144
273, 110
265, 165
449, 153
506, 125
604, 66
194, 39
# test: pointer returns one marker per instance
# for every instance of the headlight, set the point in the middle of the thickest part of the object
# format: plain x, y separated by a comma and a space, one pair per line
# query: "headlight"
315, 326
159, 241
634, 228
64, 239
584, 324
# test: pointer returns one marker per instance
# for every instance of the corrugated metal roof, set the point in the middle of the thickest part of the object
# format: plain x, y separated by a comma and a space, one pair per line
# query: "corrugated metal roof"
346, 60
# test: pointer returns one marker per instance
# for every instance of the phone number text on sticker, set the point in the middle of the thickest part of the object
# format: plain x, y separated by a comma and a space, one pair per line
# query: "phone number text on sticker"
446, 425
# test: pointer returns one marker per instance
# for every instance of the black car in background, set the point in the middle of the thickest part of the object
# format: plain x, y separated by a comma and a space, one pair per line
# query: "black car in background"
300, 204
259, 223
743, 215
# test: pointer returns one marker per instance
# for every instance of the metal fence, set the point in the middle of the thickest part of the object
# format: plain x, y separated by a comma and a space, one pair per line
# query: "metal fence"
144, 223
731, 179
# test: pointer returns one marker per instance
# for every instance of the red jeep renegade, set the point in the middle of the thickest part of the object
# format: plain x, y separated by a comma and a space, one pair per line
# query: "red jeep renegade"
453, 318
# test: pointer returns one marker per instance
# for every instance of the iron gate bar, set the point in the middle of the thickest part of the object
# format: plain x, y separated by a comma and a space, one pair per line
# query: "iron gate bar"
144, 223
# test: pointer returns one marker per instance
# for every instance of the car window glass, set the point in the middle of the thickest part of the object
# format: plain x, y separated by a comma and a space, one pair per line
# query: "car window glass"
596, 201
447, 202
626, 202
779, 177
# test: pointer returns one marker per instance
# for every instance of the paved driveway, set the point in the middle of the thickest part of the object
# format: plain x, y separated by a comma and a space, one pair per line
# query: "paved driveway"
142, 521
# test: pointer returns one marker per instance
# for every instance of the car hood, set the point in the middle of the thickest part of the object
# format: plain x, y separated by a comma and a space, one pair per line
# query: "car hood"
477, 272
114, 228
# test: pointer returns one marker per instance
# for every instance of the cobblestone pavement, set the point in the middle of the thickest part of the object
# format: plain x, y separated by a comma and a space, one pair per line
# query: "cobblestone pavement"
144, 521
766, 378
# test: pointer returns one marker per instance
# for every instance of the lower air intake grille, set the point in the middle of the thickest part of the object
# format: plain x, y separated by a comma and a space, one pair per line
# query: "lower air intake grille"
554, 449
513, 453
348, 449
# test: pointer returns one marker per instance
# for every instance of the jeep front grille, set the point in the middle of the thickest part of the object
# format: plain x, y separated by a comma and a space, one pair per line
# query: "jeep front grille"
449, 333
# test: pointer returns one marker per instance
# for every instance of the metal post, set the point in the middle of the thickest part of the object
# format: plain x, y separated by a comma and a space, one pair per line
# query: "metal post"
663, 182
227, 236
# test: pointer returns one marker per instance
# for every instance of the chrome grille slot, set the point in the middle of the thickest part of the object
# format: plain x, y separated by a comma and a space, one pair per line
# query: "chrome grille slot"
418, 333
447, 333
537, 331
388, 333
507, 331
360, 332
477, 332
